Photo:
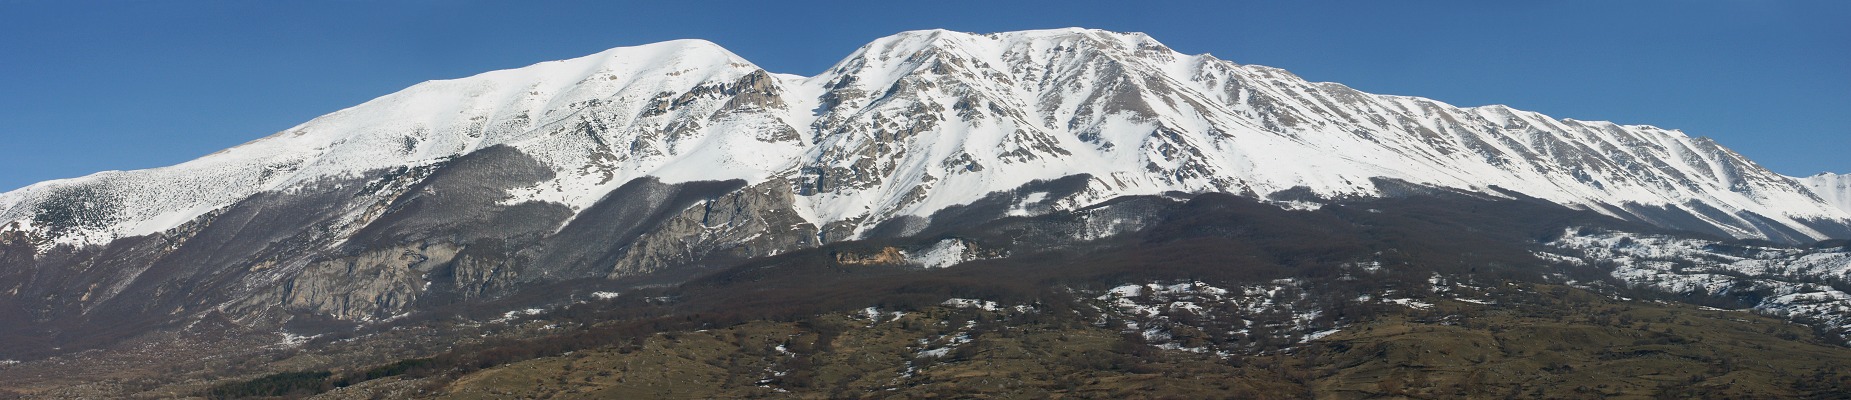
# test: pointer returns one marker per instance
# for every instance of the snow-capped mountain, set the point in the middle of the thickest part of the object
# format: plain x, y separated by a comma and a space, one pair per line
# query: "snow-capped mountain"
1835, 189
918, 121
651, 158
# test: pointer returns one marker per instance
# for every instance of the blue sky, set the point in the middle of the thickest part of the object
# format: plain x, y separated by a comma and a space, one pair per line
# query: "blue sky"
87, 86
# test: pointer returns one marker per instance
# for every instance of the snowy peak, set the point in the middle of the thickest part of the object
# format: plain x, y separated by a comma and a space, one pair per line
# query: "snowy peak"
643, 88
1124, 107
1007, 58
922, 120
530, 96
906, 45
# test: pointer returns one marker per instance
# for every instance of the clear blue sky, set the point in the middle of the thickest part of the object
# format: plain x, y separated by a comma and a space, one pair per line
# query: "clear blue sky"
87, 86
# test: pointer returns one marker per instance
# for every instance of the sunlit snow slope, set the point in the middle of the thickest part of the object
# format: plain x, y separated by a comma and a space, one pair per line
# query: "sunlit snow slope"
1835, 189
922, 120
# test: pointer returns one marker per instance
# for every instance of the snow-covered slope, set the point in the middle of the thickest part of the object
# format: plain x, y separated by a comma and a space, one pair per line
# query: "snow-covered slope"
1835, 189
543, 109
919, 121
958, 114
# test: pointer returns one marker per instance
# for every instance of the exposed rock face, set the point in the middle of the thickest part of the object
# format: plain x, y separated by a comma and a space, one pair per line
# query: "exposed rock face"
365, 286
380, 246
886, 256
752, 222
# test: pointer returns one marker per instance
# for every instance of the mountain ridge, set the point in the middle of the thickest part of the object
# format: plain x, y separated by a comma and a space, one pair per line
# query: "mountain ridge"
519, 106
571, 86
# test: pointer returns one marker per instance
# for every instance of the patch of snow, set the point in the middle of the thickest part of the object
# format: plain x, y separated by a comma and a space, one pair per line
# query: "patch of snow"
511, 315
1298, 205
1022, 208
945, 253
1198, 349
985, 305
293, 340
1320, 334
1410, 303
949, 343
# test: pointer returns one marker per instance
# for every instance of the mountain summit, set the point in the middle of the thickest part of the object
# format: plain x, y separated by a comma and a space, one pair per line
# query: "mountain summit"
656, 158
